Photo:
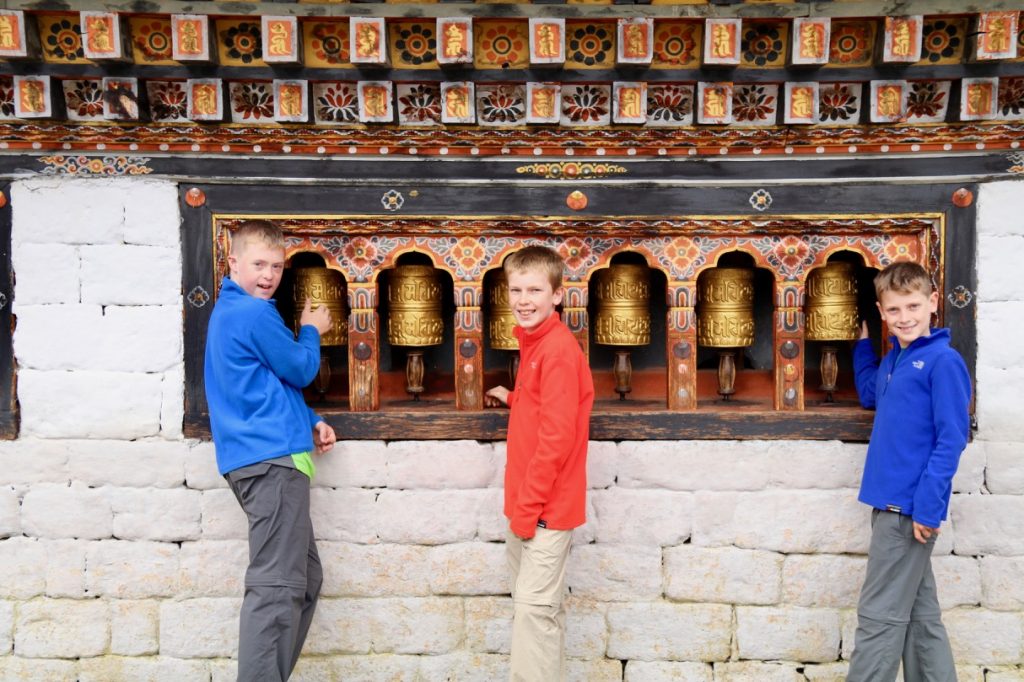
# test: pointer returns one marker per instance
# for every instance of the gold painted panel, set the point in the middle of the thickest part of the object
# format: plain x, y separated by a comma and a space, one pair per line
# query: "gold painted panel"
239, 42
677, 44
60, 36
501, 44
589, 44
151, 40
325, 43
413, 44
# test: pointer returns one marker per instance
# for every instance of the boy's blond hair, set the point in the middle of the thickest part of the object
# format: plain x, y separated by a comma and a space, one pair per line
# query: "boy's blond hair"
903, 278
537, 258
256, 231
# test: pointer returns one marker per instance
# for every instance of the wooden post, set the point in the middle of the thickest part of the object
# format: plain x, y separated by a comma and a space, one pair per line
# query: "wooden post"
469, 346
574, 314
681, 346
789, 346
363, 348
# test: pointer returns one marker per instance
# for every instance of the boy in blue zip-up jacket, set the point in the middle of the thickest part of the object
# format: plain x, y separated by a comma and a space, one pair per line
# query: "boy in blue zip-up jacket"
264, 435
920, 392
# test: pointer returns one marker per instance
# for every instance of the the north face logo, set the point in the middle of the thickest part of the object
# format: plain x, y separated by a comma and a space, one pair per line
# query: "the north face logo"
918, 364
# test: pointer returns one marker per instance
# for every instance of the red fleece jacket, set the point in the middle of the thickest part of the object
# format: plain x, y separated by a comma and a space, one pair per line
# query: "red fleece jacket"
548, 430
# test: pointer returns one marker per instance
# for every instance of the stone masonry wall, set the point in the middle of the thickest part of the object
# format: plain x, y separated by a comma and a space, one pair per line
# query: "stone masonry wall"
122, 551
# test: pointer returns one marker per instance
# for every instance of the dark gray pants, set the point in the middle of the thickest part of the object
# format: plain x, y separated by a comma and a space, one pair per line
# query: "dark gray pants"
898, 615
284, 576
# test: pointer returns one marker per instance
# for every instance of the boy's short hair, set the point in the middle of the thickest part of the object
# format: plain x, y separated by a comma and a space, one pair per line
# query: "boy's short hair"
903, 278
260, 231
542, 258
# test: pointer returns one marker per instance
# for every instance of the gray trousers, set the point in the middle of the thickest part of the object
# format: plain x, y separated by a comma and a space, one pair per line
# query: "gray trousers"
284, 576
898, 616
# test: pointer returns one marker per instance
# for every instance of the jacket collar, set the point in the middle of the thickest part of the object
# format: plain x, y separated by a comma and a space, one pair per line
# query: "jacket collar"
938, 335
529, 338
229, 287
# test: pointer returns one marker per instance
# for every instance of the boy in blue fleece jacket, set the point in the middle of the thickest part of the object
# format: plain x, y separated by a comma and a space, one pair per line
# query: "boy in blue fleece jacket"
264, 434
920, 393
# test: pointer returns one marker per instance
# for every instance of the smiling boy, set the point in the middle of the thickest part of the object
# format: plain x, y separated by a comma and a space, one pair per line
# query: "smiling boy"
920, 392
546, 469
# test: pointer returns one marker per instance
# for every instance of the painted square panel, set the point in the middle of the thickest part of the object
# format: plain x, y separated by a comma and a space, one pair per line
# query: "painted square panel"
589, 45
239, 43
945, 39
335, 103
291, 100
928, 101
151, 41
765, 44
413, 44
547, 40
60, 36
811, 38
367, 40
501, 105
586, 105
543, 102
629, 102
7, 98
13, 39
840, 104
996, 36
32, 97
281, 39
455, 40
888, 101
83, 99
714, 103
979, 98
902, 39
723, 41
251, 101
325, 43
101, 35
205, 99
504, 44
802, 101
168, 101
190, 38
669, 104
121, 99
755, 104
677, 43
635, 39
458, 102
375, 104
419, 104
852, 43
1011, 98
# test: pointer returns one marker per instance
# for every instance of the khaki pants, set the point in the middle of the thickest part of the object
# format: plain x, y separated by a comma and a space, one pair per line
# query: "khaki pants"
537, 567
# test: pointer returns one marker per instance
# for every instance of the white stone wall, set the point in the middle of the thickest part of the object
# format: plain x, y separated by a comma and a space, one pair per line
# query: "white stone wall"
122, 551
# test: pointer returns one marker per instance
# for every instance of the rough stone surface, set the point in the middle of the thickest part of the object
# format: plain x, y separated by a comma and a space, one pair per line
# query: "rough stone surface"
958, 580
1004, 472
44, 204
132, 570
431, 625
353, 464
674, 632
375, 570
984, 637
154, 669
461, 464
1002, 583
199, 628
6, 627
346, 514
154, 514
154, 273
151, 214
60, 511
62, 628
10, 524
20, 561
468, 568
46, 274
615, 572
722, 574
988, 524
642, 517
131, 464
216, 568
664, 671
427, 517
134, 628
822, 580
787, 634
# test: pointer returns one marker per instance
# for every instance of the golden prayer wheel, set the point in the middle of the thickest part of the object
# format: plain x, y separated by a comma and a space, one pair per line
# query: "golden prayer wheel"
323, 287
726, 318
500, 320
623, 306
832, 303
414, 295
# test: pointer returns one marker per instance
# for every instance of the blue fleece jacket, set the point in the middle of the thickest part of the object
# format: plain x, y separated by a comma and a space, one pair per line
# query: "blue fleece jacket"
255, 370
921, 398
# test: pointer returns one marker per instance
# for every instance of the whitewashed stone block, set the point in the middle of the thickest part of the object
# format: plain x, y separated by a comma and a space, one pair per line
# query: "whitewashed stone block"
848, 620
215, 568
695, 465
995, 320
788, 633
982, 637
432, 625
199, 628
134, 628
489, 624
374, 570
6, 627
491, 524
46, 274
130, 275
442, 465
988, 524
828, 465
150, 669
172, 403
463, 666
725, 575
958, 579
353, 464
59, 511
602, 463
14, 669
803, 521
664, 671
10, 523
152, 216
586, 628
753, 671
998, 204
341, 626
998, 253
822, 580
33, 460
827, 672
134, 464
223, 519
593, 670
223, 670
41, 206
1004, 470
65, 568
20, 562
998, 409
468, 568
664, 631
201, 467
427, 517
375, 667
348, 515
642, 517
132, 570
1003, 675
615, 572
114, 338
62, 628
154, 514
120, 404
970, 473
1002, 583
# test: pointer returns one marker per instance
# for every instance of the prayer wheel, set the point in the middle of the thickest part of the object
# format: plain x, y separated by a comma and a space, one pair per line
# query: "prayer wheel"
726, 318
322, 287
414, 296
501, 322
623, 294
831, 315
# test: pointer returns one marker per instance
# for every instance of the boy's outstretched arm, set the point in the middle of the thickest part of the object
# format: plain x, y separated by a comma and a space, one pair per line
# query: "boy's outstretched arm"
865, 368
293, 360
499, 395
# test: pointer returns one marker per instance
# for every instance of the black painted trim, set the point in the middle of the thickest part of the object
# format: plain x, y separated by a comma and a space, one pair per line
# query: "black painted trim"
9, 413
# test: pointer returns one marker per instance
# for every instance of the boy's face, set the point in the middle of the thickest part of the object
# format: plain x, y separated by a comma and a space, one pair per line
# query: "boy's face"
908, 315
257, 268
531, 298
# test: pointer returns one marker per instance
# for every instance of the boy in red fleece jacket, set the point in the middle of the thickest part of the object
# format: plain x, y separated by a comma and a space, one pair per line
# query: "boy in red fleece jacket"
546, 469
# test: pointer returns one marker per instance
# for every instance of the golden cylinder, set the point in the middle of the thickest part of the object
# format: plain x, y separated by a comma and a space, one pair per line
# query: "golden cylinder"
832, 303
414, 296
726, 315
623, 295
500, 320
323, 287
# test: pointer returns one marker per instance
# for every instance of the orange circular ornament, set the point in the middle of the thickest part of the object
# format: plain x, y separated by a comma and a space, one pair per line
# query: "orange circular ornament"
577, 201
963, 197
195, 197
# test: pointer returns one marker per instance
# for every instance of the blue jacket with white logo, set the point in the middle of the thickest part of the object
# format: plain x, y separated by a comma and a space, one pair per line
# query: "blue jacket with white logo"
921, 398
255, 371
